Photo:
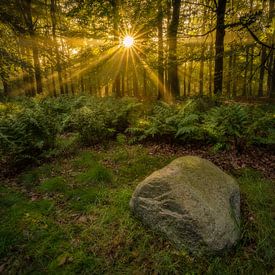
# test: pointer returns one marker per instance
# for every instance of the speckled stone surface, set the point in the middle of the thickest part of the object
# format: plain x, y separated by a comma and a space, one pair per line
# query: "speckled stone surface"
193, 203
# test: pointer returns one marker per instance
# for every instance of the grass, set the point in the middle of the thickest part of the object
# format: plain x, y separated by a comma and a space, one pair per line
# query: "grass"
72, 216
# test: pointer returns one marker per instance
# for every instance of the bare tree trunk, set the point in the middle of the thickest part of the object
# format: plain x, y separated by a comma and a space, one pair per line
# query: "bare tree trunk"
219, 46
229, 76
57, 54
271, 64
160, 52
37, 67
190, 77
116, 19
26, 7
235, 77
245, 71
250, 83
172, 31
184, 81
201, 74
262, 72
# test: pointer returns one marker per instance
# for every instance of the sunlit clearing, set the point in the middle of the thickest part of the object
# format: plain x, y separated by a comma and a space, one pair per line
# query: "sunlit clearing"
128, 41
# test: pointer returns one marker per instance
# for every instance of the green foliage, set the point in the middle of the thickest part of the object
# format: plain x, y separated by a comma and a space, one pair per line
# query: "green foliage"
156, 124
31, 130
239, 126
180, 122
92, 126
262, 127
26, 132
225, 126
101, 119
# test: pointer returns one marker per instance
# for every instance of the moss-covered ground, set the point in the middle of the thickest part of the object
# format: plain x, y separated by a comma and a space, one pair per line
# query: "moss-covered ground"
71, 216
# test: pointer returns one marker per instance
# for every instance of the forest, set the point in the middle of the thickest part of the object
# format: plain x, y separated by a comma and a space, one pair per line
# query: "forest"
96, 95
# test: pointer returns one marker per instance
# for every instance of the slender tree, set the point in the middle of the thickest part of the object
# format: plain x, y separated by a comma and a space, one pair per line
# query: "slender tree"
172, 31
219, 46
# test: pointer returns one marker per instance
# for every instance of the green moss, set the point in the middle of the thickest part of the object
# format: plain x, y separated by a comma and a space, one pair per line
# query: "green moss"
49, 236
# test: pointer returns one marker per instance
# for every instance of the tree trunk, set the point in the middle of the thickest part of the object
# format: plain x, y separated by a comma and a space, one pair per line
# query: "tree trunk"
116, 19
229, 76
245, 71
269, 77
57, 54
172, 31
37, 67
272, 92
271, 71
250, 83
26, 7
160, 52
5, 84
262, 72
190, 77
219, 47
201, 73
235, 77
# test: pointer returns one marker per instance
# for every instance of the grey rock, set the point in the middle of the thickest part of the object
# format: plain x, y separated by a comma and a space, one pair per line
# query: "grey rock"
193, 203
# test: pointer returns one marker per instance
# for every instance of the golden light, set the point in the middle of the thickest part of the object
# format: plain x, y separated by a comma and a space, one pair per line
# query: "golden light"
128, 41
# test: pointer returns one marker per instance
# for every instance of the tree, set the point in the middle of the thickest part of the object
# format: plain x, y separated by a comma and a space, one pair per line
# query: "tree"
172, 31
219, 46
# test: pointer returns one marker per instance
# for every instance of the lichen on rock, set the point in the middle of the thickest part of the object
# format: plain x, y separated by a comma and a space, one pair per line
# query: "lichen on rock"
192, 202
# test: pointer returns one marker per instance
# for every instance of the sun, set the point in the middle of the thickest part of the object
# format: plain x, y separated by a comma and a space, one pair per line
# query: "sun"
128, 41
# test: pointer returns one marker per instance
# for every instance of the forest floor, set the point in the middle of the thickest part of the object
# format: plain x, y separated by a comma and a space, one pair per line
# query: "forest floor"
72, 215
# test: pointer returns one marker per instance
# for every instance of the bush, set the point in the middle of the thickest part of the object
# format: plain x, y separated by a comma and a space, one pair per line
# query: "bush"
225, 126
26, 132
176, 122
236, 126
102, 119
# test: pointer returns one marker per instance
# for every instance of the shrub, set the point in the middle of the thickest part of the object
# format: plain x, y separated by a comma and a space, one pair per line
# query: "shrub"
26, 132
226, 125
236, 126
102, 119
179, 122
157, 124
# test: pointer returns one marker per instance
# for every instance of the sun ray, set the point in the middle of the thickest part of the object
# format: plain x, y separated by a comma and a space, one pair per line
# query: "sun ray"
152, 75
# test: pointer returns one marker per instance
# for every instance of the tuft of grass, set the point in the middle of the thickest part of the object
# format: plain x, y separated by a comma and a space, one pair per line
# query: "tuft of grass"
83, 199
56, 184
96, 174
84, 160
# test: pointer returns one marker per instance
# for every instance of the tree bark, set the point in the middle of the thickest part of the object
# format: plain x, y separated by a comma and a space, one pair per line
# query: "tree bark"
219, 47
172, 31
26, 6
271, 69
160, 52
229, 75
262, 72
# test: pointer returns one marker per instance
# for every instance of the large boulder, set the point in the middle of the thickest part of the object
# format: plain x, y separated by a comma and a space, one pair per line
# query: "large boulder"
191, 201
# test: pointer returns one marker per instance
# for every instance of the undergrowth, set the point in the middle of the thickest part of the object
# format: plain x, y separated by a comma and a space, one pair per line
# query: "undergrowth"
32, 130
